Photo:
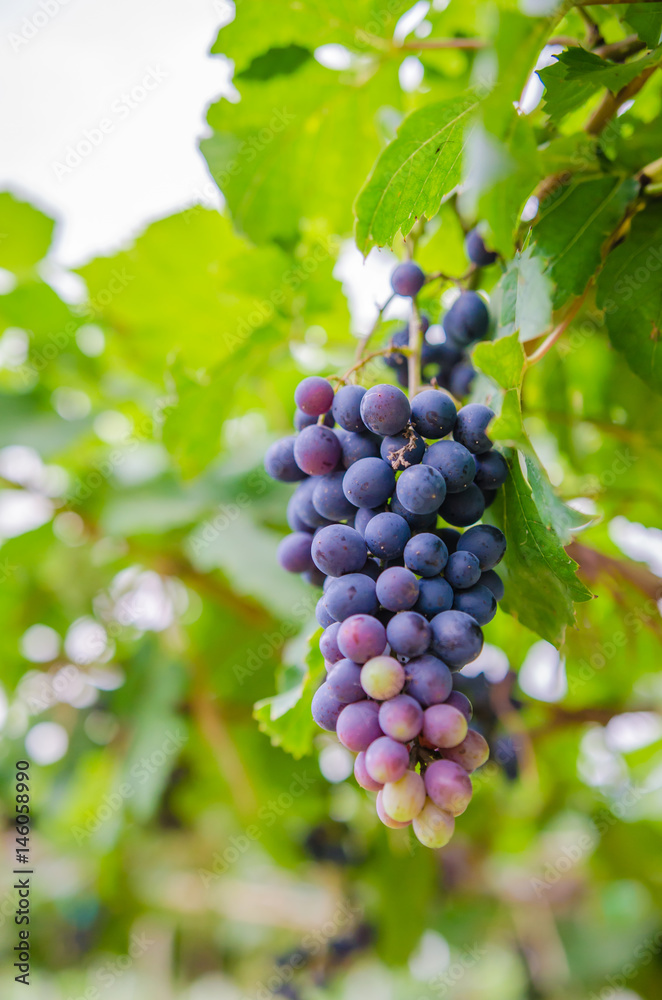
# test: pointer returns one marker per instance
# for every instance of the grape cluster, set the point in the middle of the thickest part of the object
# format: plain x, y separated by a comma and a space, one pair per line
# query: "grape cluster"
466, 322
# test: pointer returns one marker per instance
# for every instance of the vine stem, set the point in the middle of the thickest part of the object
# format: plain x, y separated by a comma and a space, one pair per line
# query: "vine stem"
342, 379
559, 330
415, 344
365, 339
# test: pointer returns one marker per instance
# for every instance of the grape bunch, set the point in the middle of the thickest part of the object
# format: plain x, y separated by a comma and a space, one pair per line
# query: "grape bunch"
466, 322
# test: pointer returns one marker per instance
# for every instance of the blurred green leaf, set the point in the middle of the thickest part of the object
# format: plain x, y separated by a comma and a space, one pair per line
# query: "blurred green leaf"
286, 717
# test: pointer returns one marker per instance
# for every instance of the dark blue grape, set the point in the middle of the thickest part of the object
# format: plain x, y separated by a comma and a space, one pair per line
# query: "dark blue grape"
408, 634
369, 482
279, 461
407, 279
456, 464
317, 450
344, 682
429, 680
385, 410
476, 250
446, 354
371, 569
314, 576
302, 420
457, 638
329, 644
477, 601
489, 496
461, 380
486, 542
293, 553
417, 522
450, 537
363, 515
491, 579
301, 510
434, 595
326, 708
421, 489
398, 361
471, 426
426, 554
329, 499
347, 408
463, 570
352, 594
386, 535
433, 413
397, 589
357, 446
491, 470
338, 549
403, 450
467, 320
314, 395
322, 613
462, 509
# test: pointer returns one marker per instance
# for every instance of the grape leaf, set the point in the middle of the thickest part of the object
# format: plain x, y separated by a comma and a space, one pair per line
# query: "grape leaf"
577, 75
503, 361
414, 173
541, 585
574, 223
522, 299
646, 19
286, 717
25, 234
630, 292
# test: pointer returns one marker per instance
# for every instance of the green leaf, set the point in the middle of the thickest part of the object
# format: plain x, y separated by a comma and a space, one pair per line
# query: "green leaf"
646, 20
630, 292
25, 234
522, 299
503, 361
541, 586
575, 222
577, 75
276, 62
419, 168
286, 717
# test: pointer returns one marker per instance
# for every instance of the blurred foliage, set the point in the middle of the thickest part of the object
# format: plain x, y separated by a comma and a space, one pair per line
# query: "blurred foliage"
183, 845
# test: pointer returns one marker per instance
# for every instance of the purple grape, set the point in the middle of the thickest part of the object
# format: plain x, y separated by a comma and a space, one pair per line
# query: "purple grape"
476, 250
426, 554
456, 638
403, 450
352, 594
362, 776
347, 408
314, 395
461, 380
302, 420
471, 426
344, 682
386, 535
493, 582
294, 520
357, 446
385, 410
338, 549
409, 634
443, 725
434, 595
314, 577
421, 489
450, 537
401, 718
358, 725
386, 759
489, 496
433, 413
448, 785
455, 462
463, 570
486, 542
363, 515
462, 703
369, 482
329, 499
293, 553
300, 509
361, 637
329, 643
371, 569
491, 470
417, 522
477, 601
407, 279
317, 450
397, 589
322, 614
382, 677
280, 464
429, 680
326, 709
467, 320
463, 509
471, 753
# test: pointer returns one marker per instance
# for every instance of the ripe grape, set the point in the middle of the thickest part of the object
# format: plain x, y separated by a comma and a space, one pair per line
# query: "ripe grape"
302, 420
362, 516
326, 709
362, 776
301, 510
344, 682
491, 470
433, 827
397, 588
338, 549
382, 677
384, 816
386, 535
461, 380
461, 702
329, 643
449, 786
455, 462
401, 718
329, 499
443, 725
352, 594
476, 250
369, 482
463, 570
434, 595
407, 279
421, 489
429, 680
358, 725
361, 637
477, 601
426, 554
356, 446
314, 395
403, 450
385, 410
471, 426
405, 798
279, 461
322, 614
450, 537
317, 450
486, 542
463, 509
386, 759
433, 413
471, 753
467, 320
346, 408
293, 552
417, 522
408, 634
456, 638
491, 579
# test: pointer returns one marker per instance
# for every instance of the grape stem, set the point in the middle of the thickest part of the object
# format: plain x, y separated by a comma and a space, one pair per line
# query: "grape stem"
365, 339
558, 331
342, 379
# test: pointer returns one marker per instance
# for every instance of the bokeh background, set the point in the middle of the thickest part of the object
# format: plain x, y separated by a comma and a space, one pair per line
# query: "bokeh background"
188, 845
